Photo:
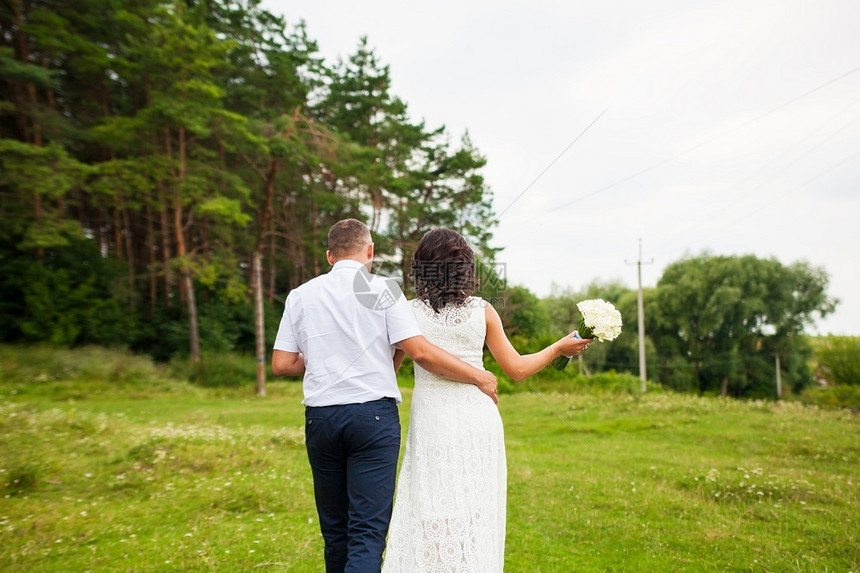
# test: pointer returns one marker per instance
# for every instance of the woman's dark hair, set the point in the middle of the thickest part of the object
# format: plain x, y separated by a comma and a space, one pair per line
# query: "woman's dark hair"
443, 268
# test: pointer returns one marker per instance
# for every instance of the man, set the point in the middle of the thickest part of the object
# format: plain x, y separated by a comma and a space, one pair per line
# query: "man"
340, 330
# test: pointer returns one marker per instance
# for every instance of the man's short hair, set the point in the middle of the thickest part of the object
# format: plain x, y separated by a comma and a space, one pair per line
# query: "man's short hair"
348, 237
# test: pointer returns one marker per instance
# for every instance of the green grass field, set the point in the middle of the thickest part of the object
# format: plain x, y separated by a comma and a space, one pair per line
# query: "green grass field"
107, 464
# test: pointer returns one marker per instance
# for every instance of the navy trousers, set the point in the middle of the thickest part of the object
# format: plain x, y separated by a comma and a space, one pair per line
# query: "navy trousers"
353, 452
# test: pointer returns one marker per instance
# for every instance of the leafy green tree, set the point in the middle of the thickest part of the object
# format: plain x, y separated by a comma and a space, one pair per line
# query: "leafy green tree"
442, 188
357, 105
38, 175
402, 172
728, 316
37, 179
184, 125
523, 315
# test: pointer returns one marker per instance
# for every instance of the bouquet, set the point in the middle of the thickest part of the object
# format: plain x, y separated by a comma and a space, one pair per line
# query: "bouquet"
599, 320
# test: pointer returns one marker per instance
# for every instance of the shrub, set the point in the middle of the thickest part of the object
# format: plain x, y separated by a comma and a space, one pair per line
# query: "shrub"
45, 370
67, 296
839, 359
21, 479
217, 370
43, 362
832, 397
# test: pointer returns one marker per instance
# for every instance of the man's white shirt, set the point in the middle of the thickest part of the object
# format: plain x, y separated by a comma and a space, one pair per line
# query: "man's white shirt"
346, 328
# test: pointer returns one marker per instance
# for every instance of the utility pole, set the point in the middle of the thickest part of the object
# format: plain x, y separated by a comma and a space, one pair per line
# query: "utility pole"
778, 379
257, 278
641, 305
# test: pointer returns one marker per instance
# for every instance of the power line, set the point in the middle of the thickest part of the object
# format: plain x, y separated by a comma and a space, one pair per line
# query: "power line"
777, 196
551, 163
798, 187
803, 140
712, 215
711, 140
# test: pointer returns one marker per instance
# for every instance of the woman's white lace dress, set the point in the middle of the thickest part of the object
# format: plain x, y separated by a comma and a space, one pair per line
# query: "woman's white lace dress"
449, 509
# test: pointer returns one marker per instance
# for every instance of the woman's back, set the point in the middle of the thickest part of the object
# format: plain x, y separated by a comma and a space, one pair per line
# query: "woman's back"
449, 513
458, 328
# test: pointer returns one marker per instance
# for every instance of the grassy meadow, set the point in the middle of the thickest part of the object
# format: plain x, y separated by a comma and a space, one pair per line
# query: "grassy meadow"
109, 463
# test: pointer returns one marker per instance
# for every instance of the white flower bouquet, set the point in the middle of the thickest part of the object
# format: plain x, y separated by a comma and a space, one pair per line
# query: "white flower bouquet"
600, 320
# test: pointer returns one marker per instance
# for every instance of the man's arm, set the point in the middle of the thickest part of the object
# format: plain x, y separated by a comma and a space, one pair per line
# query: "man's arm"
287, 363
441, 363
398, 359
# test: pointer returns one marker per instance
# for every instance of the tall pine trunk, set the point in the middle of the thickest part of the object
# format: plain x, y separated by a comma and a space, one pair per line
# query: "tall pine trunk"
186, 280
187, 283
129, 250
264, 218
153, 262
165, 254
30, 131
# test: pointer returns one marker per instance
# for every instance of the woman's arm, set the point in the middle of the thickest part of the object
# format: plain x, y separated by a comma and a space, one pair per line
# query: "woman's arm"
520, 367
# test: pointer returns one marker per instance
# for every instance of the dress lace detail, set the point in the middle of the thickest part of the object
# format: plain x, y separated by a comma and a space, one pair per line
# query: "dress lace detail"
450, 315
449, 510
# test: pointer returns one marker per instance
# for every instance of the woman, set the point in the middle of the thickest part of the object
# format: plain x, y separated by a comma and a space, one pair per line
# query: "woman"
449, 511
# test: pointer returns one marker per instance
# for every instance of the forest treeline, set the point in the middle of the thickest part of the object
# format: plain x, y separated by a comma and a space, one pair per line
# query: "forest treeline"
169, 171
188, 142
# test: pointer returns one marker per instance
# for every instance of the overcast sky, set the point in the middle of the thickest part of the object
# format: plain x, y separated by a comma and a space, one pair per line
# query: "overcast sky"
731, 127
